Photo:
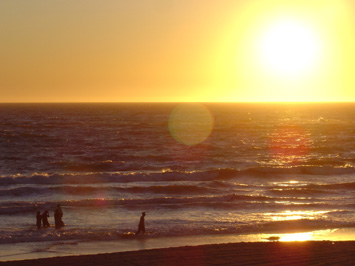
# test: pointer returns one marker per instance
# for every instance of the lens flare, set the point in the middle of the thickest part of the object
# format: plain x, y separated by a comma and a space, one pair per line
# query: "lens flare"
191, 123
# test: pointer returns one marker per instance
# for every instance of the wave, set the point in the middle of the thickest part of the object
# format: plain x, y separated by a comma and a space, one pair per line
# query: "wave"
228, 202
13, 207
75, 235
171, 175
314, 189
346, 186
194, 189
297, 191
89, 190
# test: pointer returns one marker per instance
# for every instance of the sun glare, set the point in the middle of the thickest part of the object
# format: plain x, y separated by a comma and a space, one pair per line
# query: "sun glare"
297, 237
324, 235
294, 51
288, 48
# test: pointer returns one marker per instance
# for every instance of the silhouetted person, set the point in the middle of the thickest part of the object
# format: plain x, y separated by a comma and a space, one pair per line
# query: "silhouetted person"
58, 215
141, 226
45, 216
38, 219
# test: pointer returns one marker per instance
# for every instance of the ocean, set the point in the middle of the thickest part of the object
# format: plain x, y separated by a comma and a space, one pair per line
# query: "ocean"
195, 169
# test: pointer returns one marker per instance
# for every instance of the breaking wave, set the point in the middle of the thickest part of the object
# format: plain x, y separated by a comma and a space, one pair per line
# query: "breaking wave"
171, 175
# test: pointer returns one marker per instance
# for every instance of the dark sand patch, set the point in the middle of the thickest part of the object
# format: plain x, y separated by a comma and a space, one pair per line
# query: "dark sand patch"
275, 253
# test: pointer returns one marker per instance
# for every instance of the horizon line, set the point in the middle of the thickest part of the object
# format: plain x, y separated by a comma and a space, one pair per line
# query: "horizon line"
222, 102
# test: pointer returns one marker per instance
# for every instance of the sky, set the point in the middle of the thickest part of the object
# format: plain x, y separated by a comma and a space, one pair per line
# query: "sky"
177, 50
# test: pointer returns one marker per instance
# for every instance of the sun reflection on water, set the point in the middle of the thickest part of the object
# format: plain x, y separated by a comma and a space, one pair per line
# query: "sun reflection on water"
288, 183
289, 144
297, 237
296, 215
327, 234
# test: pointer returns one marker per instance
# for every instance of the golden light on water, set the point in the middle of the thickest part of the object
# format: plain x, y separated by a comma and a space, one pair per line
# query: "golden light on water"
289, 143
296, 215
297, 237
191, 124
288, 183
317, 235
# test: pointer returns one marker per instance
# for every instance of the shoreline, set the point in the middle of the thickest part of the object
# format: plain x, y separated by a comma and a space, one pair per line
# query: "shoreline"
55, 249
251, 253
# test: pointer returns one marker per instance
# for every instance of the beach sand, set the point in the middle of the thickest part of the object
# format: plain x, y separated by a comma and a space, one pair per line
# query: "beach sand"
257, 253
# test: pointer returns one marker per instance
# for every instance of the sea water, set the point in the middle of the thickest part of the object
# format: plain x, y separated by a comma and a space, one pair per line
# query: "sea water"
197, 170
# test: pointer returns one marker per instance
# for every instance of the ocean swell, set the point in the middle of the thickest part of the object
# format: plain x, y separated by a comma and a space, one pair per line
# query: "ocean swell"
173, 175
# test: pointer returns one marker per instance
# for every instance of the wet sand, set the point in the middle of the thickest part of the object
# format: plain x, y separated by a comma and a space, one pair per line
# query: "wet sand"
259, 253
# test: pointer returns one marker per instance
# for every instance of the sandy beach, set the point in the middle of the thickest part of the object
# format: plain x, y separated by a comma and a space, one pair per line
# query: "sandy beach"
273, 253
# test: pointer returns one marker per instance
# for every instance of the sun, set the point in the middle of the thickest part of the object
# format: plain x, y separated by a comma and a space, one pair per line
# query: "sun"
291, 51
289, 48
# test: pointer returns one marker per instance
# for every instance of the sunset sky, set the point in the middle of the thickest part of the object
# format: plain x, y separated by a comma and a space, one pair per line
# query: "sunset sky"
177, 50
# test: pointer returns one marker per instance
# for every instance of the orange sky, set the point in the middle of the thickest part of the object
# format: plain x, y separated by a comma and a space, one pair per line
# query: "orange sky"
177, 50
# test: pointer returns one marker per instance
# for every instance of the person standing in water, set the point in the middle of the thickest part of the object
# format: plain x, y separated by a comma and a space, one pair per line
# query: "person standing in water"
45, 216
141, 226
38, 219
58, 214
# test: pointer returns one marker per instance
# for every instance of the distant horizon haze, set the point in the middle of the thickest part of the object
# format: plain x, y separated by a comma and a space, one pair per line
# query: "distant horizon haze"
185, 102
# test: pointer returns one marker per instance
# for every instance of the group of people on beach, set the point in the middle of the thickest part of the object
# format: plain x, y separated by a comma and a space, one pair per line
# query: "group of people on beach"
42, 219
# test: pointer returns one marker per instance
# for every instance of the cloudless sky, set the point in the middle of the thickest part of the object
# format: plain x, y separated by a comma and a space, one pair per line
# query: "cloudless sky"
177, 50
